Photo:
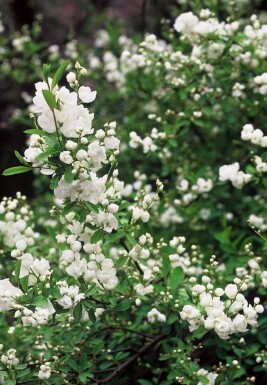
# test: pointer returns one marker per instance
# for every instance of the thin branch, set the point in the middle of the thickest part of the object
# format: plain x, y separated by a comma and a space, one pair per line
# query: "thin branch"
132, 359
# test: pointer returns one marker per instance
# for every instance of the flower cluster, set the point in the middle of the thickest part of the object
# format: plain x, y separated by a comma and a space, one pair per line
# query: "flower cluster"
232, 315
232, 173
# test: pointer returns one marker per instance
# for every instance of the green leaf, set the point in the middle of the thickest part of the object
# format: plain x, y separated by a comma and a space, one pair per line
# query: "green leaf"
68, 175
17, 270
46, 71
92, 316
54, 181
24, 283
77, 312
203, 379
44, 155
16, 170
35, 131
176, 277
20, 158
73, 364
219, 378
199, 333
39, 301
69, 206
59, 72
97, 236
52, 142
83, 362
83, 377
50, 99
23, 373
166, 265
123, 305
144, 382
11, 382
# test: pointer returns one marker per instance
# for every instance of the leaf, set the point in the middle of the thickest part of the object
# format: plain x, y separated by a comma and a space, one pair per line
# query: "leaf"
16, 170
219, 378
20, 158
59, 72
176, 277
123, 305
92, 316
35, 131
83, 377
68, 175
97, 236
199, 333
203, 379
83, 362
11, 382
44, 155
54, 181
77, 312
113, 237
68, 208
46, 71
39, 301
50, 99
23, 373
144, 382
24, 283
73, 364
131, 239
166, 265
17, 270
52, 142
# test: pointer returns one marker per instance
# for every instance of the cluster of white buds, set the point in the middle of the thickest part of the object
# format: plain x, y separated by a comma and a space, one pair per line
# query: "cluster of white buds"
140, 209
261, 166
190, 193
45, 371
139, 250
154, 315
257, 222
261, 82
232, 315
211, 377
255, 136
98, 269
35, 318
70, 295
15, 224
8, 295
231, 172
148, 144
35, 268
10, 359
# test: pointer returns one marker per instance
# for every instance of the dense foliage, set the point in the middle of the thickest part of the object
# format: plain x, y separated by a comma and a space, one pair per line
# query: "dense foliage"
146, 264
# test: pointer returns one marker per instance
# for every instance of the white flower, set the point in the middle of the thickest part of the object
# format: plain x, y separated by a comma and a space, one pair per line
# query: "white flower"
71, 77
111, 143
7, 294
231, 291
186, 23
86, 95
154, 315
66, 157
240, 323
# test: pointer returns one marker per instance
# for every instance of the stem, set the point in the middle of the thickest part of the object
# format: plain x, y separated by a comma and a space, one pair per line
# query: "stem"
132, 359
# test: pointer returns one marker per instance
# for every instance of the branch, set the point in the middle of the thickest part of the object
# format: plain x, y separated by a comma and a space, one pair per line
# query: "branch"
132, 359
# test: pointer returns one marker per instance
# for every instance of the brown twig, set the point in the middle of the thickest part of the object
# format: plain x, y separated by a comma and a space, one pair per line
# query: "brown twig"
132, 359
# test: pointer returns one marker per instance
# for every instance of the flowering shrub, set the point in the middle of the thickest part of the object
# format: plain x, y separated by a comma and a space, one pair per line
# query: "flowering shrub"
153, 277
